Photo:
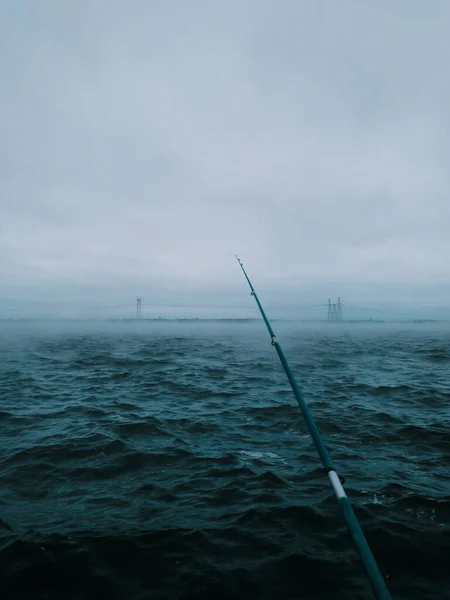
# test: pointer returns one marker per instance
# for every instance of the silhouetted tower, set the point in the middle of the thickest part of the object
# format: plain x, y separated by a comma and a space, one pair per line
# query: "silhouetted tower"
334, 310
138, 308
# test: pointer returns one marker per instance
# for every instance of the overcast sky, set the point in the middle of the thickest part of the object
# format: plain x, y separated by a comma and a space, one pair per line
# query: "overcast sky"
144, 143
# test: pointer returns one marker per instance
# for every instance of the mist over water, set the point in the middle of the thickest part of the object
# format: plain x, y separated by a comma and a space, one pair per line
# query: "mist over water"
170, 460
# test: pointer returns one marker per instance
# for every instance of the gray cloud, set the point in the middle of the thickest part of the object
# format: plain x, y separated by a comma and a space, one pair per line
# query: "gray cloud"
142, 145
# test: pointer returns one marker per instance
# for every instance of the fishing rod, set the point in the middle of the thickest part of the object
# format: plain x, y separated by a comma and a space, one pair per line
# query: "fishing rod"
376, 579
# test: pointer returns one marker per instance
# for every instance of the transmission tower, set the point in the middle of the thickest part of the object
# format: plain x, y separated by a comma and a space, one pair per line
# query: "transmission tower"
334, 310
330, 311
138, 307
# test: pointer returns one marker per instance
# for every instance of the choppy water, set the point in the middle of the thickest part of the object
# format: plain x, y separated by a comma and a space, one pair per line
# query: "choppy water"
148, 460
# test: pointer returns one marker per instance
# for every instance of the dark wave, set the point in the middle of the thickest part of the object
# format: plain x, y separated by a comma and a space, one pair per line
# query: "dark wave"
177, 464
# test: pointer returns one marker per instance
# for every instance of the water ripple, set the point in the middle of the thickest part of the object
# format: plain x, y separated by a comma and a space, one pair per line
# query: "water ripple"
172, 461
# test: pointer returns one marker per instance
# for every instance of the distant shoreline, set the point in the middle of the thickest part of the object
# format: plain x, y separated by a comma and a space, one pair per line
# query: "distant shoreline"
214, 320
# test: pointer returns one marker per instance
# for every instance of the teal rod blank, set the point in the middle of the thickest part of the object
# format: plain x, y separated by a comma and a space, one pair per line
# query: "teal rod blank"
376, 579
